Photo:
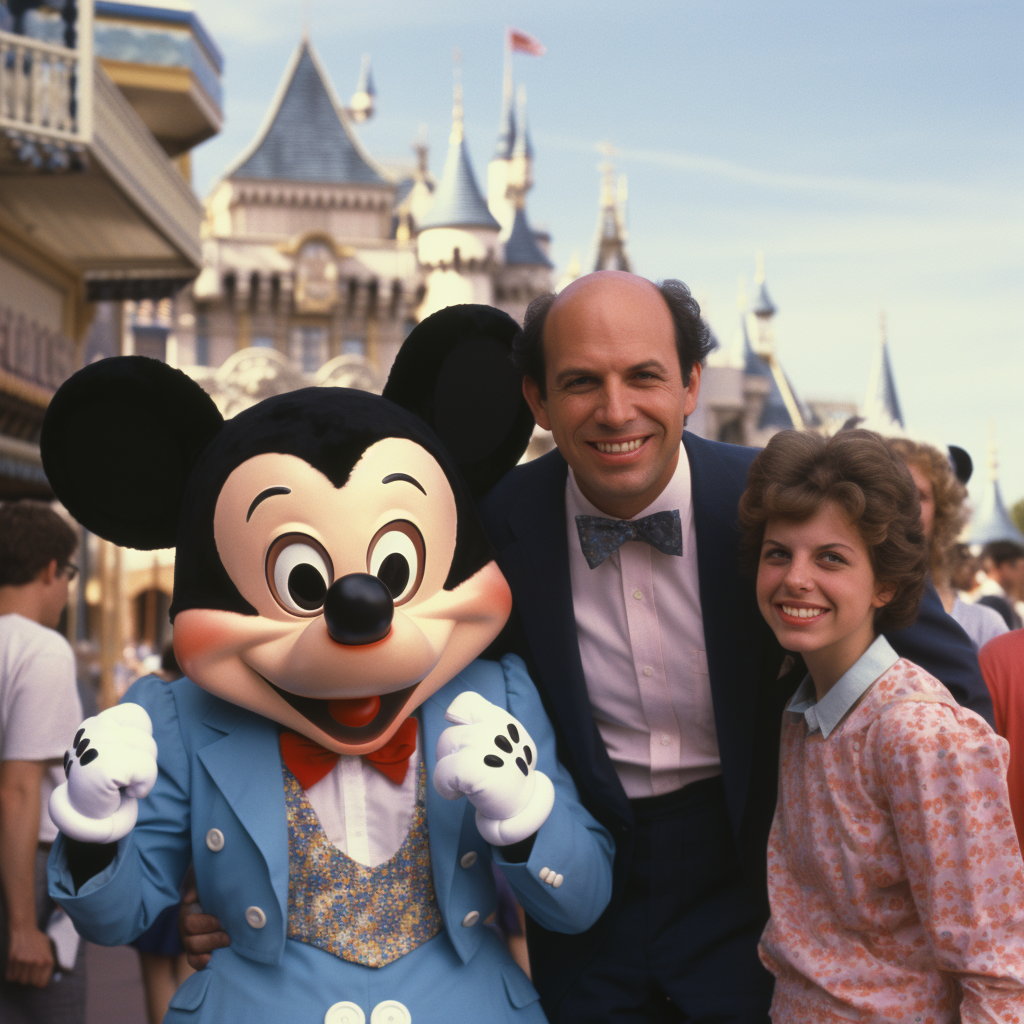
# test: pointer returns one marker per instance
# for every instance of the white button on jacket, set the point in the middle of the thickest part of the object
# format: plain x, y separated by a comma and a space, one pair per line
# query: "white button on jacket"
468, 859
391, 1011
215, 840
471, 919
344, 1013
256, 917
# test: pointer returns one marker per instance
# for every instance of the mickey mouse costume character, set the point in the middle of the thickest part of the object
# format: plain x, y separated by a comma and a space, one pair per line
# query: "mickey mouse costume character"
333, 590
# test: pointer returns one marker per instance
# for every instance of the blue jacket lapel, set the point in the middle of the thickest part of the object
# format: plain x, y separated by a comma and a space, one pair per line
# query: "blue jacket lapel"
734, 632
245, 765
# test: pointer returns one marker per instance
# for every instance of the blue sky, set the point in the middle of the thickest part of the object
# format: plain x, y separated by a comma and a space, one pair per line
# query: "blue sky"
873, 151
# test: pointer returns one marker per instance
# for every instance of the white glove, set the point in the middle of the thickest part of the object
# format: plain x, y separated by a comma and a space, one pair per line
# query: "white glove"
111, 764
488, 756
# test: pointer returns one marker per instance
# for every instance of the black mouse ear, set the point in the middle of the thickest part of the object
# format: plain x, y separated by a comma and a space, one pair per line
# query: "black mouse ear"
963, 466
119, 440
455, 372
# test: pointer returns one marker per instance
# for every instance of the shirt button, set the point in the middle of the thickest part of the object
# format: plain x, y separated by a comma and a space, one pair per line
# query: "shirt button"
648, 671
215, 840
468, 859
391, 1011
471, 919
256, 917
664, 741
344, 1013
638, 595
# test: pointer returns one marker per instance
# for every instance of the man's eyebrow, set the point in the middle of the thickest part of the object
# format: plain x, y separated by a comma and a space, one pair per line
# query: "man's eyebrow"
570, 372
263, 495
392, 478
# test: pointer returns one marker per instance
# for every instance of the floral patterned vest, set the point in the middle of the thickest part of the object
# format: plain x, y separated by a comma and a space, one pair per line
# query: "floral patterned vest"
365, 915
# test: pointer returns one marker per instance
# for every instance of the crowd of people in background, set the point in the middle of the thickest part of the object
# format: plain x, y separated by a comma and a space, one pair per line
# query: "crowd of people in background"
842, 551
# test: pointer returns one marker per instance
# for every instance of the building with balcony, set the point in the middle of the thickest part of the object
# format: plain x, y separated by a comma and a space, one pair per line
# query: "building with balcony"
98, 102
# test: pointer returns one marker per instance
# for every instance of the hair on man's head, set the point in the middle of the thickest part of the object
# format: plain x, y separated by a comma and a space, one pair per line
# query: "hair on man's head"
694, 341
999, 552
32, 536
798, 474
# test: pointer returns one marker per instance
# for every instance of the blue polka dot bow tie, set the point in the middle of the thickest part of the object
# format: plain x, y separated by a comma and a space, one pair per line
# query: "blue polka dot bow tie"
600, 538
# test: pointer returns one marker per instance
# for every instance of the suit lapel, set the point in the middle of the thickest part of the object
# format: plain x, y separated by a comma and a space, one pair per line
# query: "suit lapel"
536, 565
445, 818
734, 631
245, 765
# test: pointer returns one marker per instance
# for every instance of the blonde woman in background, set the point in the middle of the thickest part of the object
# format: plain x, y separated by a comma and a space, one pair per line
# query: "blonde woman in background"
943, 515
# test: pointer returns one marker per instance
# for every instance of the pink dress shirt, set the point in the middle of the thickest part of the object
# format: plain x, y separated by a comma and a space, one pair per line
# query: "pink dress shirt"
641, 637
896, 883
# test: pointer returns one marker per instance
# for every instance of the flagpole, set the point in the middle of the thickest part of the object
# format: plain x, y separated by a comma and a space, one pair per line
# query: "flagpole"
507, 85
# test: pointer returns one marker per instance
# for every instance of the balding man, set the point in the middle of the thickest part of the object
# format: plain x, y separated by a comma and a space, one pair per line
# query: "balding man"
664, 683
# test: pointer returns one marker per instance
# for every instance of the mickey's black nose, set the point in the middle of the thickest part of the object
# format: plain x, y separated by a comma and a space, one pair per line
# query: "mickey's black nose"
358, 609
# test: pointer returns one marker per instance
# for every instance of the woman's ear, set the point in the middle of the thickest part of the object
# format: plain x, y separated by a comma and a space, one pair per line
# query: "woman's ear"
455, 372
884, 593
119, 441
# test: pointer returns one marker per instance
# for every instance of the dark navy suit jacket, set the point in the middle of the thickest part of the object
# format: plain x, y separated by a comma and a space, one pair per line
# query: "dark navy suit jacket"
524, 516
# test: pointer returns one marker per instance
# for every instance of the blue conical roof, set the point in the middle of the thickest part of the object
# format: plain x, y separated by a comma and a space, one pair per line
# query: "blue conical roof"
521, 248
457, 199
763, 305
775, 412
304, 137
993, 522
506, 127
882, 406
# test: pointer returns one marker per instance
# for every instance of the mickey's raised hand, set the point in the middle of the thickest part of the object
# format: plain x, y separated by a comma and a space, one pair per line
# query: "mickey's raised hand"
489, 757
111, 764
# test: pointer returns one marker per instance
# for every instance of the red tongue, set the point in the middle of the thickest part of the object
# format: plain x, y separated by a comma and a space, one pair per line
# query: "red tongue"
355, 712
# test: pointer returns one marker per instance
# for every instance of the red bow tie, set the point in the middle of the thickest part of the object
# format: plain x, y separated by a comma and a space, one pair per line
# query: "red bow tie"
309, 762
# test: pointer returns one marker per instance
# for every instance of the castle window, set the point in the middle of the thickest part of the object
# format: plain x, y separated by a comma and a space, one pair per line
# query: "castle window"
396, 297
309, 348
230, 283
371, 297
202, 339
353, 347
254, 291
275, 291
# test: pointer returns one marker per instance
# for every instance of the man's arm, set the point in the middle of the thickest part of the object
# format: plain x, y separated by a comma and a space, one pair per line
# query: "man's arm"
29, 956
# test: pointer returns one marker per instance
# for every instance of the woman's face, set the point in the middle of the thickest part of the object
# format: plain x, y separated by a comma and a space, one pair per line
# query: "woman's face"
926, 494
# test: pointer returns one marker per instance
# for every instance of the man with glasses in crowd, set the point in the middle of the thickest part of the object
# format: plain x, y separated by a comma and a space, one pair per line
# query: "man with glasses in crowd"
39, 710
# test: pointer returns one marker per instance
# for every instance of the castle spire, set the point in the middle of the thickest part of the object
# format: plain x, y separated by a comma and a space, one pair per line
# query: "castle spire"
993, 522
611, 229
882, 410
457, 199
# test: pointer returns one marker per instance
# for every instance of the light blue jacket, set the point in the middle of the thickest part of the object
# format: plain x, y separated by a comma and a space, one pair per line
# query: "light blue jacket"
220, 767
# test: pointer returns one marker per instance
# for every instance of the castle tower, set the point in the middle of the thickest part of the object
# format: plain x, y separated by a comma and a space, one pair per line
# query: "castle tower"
361, 106
611, 227
782, 409
499, 171
993, 522
458, 243
882, 410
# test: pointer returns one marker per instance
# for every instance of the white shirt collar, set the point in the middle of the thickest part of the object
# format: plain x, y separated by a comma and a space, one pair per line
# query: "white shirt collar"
828, 712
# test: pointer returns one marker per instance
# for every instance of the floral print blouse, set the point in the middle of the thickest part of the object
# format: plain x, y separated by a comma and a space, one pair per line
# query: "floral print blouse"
896, 882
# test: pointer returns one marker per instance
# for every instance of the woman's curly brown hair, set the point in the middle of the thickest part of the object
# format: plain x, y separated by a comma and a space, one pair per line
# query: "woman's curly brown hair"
951, 513
798, 473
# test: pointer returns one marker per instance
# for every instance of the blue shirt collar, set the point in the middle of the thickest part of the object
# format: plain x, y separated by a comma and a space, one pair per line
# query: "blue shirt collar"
828, 712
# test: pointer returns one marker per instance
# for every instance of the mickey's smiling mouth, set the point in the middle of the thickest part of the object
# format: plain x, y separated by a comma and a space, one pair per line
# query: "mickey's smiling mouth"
325, 714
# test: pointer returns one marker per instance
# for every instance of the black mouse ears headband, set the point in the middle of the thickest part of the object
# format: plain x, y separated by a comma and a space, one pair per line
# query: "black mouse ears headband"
121, 436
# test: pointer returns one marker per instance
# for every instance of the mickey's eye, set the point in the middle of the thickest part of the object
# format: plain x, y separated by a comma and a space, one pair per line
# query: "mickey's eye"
299, 571
396, 557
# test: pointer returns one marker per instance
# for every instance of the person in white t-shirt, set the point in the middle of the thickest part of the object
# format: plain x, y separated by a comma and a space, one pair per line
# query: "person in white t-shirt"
39, 711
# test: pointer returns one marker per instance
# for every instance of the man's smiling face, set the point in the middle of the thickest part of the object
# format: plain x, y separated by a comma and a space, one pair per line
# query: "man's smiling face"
615, 400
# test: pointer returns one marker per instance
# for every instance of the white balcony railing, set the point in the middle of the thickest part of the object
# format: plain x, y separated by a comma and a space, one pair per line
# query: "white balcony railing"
46, 89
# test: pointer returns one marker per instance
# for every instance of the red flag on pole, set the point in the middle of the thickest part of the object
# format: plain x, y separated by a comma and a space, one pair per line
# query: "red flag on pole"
520, 42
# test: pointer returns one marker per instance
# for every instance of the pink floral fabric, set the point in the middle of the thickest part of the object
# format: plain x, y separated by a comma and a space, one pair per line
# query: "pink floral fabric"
896, 882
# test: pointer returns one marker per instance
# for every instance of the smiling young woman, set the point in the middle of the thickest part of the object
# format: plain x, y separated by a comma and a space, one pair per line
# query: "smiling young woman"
893, 813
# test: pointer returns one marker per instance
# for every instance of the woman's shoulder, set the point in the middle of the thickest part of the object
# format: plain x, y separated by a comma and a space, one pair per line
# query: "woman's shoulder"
913, 711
